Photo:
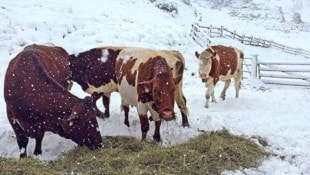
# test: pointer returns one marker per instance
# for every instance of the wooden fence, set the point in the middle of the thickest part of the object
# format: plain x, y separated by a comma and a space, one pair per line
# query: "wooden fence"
281, 73
202, 35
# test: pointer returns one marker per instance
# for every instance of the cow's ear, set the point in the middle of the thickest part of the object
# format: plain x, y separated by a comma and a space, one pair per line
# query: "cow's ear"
177, 79
146, 83
197, 54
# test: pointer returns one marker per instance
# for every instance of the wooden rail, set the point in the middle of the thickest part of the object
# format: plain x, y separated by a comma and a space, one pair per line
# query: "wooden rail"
208, 32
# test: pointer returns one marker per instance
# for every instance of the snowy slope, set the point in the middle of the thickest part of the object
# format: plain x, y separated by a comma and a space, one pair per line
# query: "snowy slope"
280, 114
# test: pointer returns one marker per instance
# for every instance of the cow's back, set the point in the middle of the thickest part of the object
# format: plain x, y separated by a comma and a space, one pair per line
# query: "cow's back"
54, 59
94, 69
27, 81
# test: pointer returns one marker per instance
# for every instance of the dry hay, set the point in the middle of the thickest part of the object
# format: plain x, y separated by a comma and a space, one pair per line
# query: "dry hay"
208, 153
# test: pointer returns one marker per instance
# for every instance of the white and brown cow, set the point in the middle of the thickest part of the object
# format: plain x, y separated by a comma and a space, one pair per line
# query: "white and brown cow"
146, 81
177, 64
94, 71
220, 63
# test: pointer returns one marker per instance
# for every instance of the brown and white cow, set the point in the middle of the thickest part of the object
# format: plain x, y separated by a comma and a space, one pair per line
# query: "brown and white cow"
37, 101
177, 64
220, 63
94, 71
145, 80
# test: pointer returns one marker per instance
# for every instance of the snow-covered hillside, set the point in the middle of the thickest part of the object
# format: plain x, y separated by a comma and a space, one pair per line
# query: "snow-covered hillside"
280, 114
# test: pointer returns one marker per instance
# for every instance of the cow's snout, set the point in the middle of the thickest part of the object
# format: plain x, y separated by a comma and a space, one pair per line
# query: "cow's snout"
168, 115
203, 75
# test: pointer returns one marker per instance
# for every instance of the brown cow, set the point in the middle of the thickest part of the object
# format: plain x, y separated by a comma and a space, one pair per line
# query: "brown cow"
220, 63
146, 81
94, 71
36, 102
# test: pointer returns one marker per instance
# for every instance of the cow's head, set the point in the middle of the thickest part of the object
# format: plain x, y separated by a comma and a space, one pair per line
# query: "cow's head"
205, 63
82, 127
162, 89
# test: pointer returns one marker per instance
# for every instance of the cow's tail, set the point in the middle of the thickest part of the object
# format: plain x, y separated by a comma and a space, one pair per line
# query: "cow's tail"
241, 71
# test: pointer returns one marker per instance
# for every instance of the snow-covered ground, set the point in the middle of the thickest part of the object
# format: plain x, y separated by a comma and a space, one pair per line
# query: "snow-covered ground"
280, 114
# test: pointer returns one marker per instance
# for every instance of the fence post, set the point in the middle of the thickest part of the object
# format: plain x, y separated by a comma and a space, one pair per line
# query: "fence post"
210, 31
221, 34
254, 66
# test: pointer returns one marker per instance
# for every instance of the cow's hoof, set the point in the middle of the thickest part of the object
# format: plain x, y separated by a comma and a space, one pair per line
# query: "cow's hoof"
206, 106
106, 114
157, 139
22, 155
185, 124
101, 115
127, 124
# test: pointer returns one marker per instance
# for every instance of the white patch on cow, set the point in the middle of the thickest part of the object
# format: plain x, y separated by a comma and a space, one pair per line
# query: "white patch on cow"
104, 55
128, 93
154, 114
107, 88
126, 57
22, 150
48, 44
147, 90
142, 108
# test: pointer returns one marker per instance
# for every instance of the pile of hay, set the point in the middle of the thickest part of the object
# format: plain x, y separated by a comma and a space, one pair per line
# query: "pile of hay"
208, 153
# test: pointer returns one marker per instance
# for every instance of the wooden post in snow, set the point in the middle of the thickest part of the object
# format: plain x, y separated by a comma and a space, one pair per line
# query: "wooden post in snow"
221, 32
254, 66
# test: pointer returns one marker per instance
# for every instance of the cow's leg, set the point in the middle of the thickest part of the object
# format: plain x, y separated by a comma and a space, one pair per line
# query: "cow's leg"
156, 136
106, 104
144, 125
209, 93
38, 146
213, 97
181, 102
237, 85
95, 97
223, 93
22, 139
126, 111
